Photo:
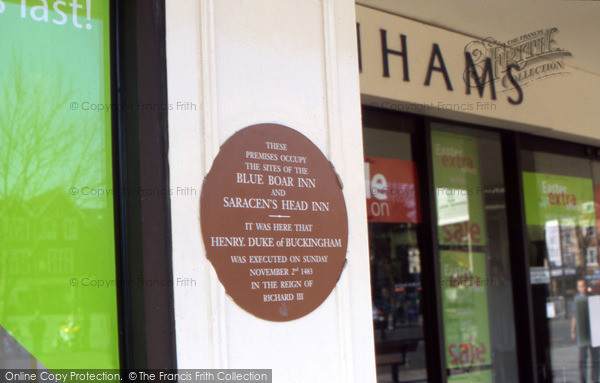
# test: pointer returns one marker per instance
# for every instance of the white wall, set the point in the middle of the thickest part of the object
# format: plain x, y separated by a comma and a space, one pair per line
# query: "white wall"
243, 62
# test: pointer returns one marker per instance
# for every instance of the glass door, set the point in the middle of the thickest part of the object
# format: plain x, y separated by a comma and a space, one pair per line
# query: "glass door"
475, 278
561, 203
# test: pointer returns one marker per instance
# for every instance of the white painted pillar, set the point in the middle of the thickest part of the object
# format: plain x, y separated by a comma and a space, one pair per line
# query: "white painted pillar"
244, 62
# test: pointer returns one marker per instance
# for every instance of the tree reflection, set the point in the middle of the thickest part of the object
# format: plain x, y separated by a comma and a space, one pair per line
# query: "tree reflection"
44, 143
50, 232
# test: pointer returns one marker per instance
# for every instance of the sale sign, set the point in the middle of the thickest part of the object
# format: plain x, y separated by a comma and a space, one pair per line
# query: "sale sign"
458, 190
392, 190
464, 300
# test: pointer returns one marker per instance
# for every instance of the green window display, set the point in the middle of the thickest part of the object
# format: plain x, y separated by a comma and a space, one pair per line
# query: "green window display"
475, 283
58, 290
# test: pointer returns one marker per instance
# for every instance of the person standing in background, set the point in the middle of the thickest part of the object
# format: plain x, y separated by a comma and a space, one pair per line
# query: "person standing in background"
580, 330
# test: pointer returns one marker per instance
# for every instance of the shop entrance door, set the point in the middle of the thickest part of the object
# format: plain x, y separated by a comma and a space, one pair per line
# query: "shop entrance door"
561, 196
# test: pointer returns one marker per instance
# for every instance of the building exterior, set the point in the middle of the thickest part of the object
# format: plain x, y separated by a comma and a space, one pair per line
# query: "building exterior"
333, 191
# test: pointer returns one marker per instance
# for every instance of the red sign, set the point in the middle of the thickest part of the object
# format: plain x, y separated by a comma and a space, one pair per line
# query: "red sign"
392, 190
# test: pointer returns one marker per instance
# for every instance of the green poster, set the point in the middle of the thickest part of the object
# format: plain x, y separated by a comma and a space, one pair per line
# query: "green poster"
459, 195
58, 294
568, 201
464, 301
472, 377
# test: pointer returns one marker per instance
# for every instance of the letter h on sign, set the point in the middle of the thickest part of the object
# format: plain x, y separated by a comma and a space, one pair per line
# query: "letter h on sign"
385, 51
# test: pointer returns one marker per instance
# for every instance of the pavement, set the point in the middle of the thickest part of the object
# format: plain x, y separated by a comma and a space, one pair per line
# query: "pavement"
565, 353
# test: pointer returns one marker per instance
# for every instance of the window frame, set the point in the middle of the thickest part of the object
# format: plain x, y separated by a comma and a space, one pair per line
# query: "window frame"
140, 162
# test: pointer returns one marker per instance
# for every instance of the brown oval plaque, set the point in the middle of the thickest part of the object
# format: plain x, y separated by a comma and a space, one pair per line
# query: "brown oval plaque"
274, 222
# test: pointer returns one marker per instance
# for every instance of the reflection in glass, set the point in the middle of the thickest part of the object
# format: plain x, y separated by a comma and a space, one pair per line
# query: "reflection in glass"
394, 215
562, 219
57, 253
397, 301
479, 336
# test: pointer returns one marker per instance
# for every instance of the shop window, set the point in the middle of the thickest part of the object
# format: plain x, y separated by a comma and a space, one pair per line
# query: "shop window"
475, 279
58, 291
394, 218
561, 206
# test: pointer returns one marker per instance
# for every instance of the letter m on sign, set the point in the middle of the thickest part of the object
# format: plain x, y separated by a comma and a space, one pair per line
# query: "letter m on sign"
471, 72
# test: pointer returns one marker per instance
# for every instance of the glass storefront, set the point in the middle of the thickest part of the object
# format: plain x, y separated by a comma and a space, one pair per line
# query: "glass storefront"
561, 194
58, 290
471, 258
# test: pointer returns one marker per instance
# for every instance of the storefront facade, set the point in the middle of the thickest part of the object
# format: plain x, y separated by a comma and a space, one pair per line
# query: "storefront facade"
481, 225
334, 191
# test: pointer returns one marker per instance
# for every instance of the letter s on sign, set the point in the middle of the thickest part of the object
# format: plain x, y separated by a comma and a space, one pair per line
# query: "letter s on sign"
514, 82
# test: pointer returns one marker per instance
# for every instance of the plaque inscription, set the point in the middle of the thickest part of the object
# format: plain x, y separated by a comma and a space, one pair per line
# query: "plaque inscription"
274, 222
